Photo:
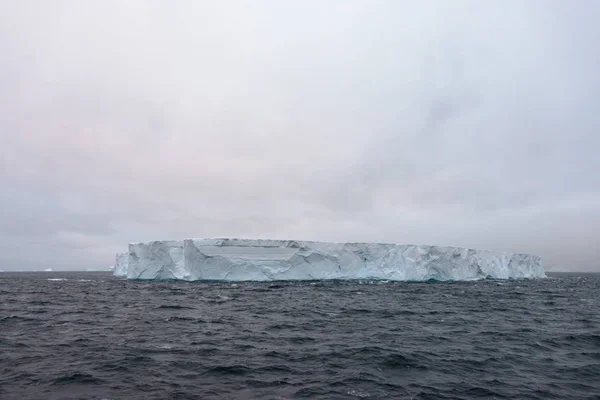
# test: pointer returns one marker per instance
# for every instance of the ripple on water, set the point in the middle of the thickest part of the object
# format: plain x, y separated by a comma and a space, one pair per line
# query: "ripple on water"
85, 335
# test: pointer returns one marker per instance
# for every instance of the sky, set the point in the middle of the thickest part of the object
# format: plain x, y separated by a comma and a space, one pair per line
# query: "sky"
463, 123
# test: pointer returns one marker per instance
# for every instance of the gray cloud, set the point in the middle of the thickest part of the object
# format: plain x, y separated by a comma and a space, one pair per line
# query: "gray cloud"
462, 123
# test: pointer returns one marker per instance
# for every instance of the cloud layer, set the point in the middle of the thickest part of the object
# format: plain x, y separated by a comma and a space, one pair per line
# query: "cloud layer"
464, 123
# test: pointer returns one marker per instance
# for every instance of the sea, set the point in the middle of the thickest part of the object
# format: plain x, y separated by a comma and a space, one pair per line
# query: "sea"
89, 335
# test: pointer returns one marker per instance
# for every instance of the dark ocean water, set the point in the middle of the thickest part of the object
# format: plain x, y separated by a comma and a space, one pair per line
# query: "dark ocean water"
92, 336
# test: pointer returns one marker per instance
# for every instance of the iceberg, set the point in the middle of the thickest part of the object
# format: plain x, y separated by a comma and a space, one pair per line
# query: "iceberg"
121, 264
270, 260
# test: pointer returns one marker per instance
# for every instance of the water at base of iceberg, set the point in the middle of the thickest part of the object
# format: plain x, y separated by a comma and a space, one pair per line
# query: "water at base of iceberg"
94, 336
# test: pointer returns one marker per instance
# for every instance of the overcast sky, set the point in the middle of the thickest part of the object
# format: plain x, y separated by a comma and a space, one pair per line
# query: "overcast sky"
466, 123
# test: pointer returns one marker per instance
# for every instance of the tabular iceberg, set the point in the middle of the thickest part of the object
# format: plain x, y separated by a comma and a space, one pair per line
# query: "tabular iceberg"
268, 260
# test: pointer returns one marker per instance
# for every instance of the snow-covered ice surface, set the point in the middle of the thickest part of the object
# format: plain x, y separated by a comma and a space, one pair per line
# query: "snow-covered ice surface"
267, 260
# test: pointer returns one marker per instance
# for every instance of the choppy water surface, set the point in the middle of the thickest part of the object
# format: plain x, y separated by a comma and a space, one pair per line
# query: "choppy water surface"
92, 336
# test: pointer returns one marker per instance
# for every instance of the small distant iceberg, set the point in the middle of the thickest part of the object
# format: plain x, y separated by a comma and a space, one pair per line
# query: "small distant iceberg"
270, 260
48, 270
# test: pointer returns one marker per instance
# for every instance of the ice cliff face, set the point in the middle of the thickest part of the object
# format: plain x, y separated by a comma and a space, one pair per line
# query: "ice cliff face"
266, 260
156, 260
121, 264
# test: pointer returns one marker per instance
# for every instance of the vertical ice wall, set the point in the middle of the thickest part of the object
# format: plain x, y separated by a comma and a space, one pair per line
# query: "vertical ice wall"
259, 260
